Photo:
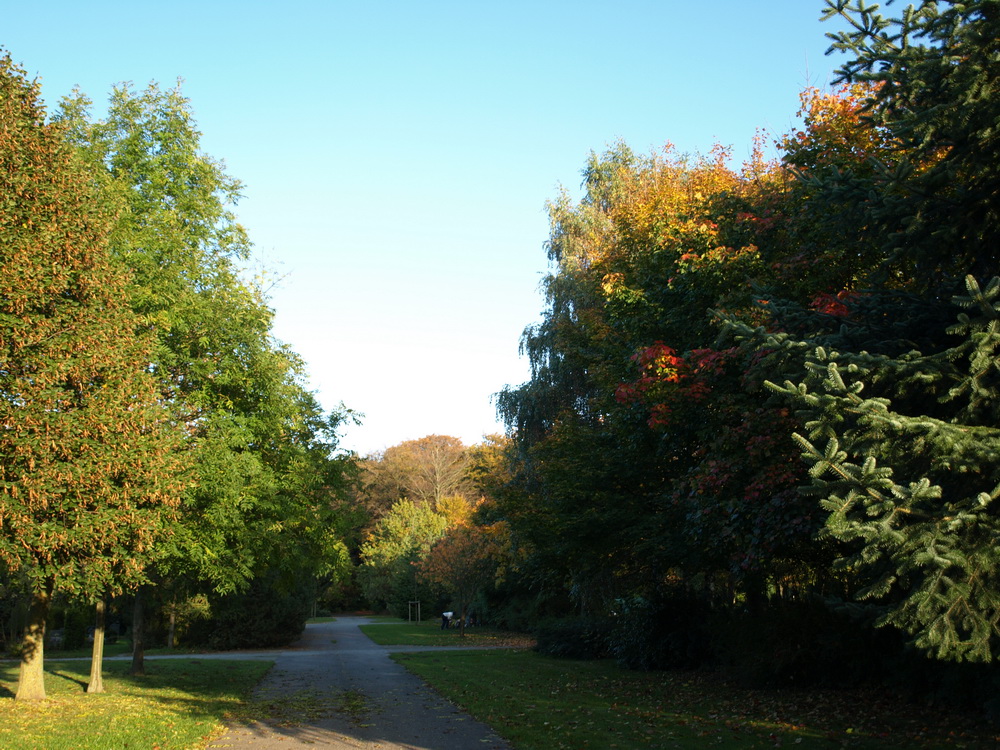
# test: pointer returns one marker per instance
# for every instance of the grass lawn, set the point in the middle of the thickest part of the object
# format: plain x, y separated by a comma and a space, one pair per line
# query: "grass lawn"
541, 703
178, 704
394, 632
121, 648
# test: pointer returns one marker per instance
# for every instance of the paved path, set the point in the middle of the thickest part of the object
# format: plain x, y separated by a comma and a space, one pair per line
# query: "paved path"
343, 692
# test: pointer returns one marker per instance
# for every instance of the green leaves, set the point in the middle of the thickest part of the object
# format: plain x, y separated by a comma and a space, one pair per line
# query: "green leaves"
927, 545
402, 537
89, 475
268, 487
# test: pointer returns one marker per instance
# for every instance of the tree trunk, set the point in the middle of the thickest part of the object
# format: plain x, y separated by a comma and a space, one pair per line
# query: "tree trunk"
96, 684
31, 681
138, 667
171, 629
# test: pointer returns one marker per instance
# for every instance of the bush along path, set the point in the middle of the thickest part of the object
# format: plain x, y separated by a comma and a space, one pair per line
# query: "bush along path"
337, 689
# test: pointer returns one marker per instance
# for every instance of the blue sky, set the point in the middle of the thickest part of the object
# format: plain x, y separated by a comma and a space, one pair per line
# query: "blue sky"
397, 156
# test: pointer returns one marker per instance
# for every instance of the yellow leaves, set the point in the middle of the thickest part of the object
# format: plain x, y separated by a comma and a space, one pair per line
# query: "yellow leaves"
456, 508
612, 282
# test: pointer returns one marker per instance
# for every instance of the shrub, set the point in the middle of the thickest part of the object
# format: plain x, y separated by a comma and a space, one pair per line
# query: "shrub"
804, 643
667, 631
270, 613
574, 638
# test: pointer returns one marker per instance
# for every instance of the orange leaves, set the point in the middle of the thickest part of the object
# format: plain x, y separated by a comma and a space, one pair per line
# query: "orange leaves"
835, 132
611, 283
659, 363
464, 560
75, 448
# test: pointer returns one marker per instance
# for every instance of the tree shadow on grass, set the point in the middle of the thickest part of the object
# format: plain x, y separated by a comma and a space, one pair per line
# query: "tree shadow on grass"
68, 677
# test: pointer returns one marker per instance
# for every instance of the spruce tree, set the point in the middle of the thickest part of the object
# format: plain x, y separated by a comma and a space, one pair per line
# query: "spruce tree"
910, 496
936, 68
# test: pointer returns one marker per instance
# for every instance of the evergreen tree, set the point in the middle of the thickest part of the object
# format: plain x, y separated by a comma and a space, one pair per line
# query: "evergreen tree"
912, 496
936, 74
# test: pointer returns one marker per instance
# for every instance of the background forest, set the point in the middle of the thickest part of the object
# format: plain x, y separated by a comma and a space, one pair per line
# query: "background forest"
760, 432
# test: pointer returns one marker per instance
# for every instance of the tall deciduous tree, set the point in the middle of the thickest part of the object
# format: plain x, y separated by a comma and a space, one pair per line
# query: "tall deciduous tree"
268, 482
400, 539
464, 562
87, 460
429, 470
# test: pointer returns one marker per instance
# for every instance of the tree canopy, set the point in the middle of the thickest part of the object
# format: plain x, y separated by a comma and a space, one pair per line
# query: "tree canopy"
751, 385
154, 422
89, 463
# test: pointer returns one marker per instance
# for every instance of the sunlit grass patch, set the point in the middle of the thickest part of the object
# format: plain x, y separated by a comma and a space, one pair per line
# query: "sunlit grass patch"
402, 633
541, 703
177, 704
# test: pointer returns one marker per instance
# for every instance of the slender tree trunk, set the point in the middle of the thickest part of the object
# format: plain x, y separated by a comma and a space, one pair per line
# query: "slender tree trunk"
172, 627
31, 681
138, 667
96, 684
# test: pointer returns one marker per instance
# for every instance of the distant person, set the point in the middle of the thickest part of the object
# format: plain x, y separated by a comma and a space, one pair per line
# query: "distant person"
446, 620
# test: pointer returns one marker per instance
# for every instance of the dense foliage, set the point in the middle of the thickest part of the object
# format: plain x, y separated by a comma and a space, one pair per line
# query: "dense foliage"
157, 439
762, 412
428, 536
763, 390
88, 467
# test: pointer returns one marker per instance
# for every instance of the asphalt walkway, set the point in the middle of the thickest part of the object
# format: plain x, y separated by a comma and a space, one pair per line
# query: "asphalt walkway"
337, 689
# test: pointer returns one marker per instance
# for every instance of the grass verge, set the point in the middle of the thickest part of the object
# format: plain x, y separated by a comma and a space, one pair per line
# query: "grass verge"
121, 648
401, 633
541, 703
178, 704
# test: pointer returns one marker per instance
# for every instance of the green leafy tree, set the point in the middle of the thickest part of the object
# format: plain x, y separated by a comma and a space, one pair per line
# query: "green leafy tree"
88, 466
269, 490
402, 537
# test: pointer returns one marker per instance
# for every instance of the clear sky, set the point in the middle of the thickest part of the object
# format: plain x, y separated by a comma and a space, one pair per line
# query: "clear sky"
397, 156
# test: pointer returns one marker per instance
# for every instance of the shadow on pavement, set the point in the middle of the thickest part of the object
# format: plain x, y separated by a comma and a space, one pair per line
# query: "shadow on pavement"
337, 689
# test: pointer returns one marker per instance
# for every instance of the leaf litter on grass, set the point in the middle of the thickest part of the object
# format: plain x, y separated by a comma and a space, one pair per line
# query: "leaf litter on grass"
175, 706
540, 702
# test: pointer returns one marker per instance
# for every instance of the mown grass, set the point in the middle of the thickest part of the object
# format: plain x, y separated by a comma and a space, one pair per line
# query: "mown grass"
541, 703
178, 704
428, 633
121, 648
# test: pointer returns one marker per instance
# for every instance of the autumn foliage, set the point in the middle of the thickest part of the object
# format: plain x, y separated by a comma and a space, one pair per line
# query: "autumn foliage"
735, 363
464, 562
89, 465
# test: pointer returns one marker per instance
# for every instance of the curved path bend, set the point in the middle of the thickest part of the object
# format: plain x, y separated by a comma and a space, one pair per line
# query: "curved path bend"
337, 689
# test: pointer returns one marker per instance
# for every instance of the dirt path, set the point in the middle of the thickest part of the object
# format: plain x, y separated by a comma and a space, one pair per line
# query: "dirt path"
337, 689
